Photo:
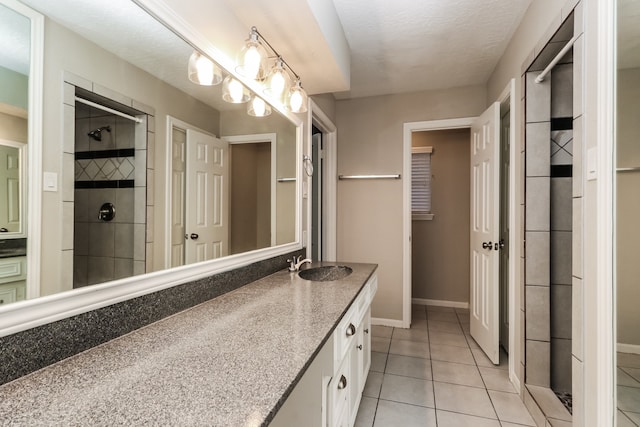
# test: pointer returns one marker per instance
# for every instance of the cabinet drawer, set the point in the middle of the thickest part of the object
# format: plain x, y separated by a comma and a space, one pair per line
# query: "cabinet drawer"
339, 388
12, 269
8, 295
345, 334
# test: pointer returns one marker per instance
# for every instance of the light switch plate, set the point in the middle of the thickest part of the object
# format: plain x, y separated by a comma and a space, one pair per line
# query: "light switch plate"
50, 181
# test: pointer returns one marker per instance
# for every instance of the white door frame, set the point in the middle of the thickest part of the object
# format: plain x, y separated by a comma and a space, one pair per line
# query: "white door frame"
329, 181
515, 239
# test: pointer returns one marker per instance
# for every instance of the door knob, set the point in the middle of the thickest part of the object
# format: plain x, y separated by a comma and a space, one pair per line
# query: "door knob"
487, 245
194, 236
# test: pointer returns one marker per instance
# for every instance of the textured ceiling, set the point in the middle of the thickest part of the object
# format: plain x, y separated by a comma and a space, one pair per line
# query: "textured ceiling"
14, 41
406, 45
628, 34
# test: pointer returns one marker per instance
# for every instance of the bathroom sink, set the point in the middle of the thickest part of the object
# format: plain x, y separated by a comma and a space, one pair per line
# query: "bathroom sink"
327, 273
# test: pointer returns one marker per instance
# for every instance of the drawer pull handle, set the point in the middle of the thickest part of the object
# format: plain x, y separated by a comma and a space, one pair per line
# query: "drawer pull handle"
342, 383
360, 347
351, 330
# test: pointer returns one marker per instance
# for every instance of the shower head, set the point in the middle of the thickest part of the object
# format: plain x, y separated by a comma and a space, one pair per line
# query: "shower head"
97, 133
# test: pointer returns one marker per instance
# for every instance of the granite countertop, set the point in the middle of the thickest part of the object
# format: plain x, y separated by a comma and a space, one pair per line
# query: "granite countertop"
230, 361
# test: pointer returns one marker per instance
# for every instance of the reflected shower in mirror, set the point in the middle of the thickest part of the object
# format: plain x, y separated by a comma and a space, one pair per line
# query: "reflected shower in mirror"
627, 209
139, 153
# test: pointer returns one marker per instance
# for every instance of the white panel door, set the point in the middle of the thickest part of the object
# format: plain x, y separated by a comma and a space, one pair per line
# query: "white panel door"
178, 171
9, 188
485, 191
206, 198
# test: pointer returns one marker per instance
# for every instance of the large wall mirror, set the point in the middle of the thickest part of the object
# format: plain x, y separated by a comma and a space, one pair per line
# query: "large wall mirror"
627, 206
143, 171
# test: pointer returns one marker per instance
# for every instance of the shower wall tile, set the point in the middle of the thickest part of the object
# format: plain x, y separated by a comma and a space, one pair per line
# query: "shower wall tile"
124, 133
124, 205
150, 219
68, 128
140, 176
562, 90
108, 141
97, 197
123, 247
67, 178
578, 156
151, 150
537, 201
81, 205
577, 319
81, 129
66, 272
537, 270
69, 97
67, 225
112, 94
138, 244
81, 239
140, 133
122, 268
537, 307
561, 303
537, 149
100, 269
577, 376
561, 365
150, 187
578, 72
538, 367
538, 100
101, 239
151, 124
576, 256
140, 106
149, 256
76, 80
561, 257
80, 268
139, 214
139, 267
562, 147
561, 204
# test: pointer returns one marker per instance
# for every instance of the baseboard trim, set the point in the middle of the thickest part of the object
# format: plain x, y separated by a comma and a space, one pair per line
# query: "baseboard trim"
628, 348
440, 303
387, 322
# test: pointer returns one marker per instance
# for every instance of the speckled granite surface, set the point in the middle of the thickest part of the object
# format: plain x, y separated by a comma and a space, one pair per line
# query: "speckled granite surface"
36, 348
230, 361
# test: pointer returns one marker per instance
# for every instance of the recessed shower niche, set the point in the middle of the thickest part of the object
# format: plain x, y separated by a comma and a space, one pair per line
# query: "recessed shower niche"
109, 190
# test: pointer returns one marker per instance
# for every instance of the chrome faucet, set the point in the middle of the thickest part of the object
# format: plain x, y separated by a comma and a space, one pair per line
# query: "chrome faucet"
295, 264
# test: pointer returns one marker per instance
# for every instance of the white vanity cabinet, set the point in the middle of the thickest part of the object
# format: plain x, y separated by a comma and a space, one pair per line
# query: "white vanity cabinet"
329, 393
13, 276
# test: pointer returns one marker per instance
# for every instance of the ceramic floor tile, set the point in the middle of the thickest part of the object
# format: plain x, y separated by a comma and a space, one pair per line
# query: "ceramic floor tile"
623, 421
624, 378
443, 338
410, 348
472, 343
407, 390
378, 361
497, 379
405, 366
393, 414
442, 316
366, 412
633, 416
448, 327
381, 331
510, 408
456, 373
632, 372
628, 398
451, 419
373, 385
559, 423
482, 359
628, 360
433, 308
411, 334
464, 400
419, 324
449, 353
381, 345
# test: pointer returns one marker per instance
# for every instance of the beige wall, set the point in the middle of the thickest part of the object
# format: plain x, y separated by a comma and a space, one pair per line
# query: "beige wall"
440, 262
15, 88
327, 104
13, 128
628, 207
370, 212
90, 62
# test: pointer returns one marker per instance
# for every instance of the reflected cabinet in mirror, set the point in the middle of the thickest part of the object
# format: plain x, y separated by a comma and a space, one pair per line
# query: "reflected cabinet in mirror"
143, 170
627, 206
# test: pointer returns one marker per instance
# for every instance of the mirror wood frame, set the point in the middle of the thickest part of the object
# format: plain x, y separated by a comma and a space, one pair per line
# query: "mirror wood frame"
36, 311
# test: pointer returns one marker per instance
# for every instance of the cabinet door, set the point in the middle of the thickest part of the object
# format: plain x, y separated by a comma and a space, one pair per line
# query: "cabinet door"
366, 350
355, 362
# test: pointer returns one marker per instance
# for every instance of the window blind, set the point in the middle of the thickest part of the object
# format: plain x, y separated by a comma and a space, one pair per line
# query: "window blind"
421, 180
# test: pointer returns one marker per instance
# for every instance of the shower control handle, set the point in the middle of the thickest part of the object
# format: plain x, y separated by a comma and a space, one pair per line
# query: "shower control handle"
194, 236
107, 212
487, 245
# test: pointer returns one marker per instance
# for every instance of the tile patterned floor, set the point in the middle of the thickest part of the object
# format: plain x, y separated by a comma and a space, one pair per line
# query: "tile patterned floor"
628, 385
434, 374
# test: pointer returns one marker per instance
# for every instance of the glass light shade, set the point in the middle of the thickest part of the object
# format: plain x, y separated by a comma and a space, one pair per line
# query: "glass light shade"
203, 71
298, 99
278, 82
252, 59
233, 91
258, 108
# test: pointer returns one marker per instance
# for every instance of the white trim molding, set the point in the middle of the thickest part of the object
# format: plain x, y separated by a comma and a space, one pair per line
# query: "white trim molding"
392, 323
440, 303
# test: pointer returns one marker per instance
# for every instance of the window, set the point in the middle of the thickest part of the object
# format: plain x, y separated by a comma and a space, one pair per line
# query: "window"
421, 183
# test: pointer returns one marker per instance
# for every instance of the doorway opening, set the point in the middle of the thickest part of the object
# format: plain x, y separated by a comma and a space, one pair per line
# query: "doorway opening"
317, 152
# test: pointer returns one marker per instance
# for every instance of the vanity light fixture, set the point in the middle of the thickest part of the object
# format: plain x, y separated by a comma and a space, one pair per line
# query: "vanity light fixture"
233, 91
203, 71
258, 108
278, 88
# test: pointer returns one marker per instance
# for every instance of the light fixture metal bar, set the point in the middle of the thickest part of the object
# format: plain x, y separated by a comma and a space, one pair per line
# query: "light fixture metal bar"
394, 176
286, 179
275, 52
